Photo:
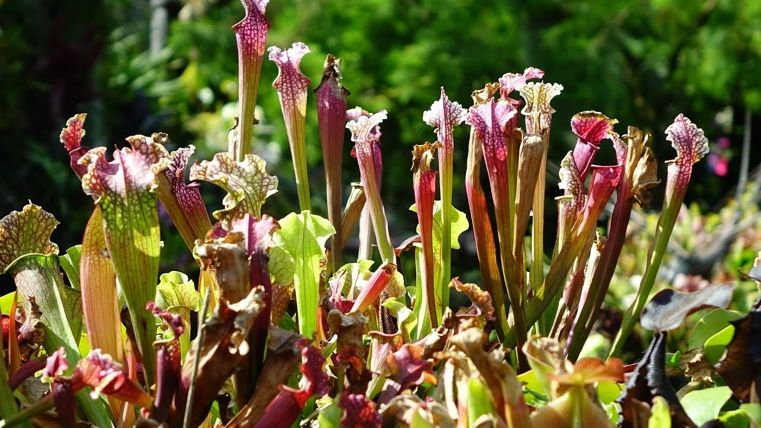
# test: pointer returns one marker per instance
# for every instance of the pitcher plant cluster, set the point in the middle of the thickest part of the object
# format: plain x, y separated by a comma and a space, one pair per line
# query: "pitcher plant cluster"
282, 326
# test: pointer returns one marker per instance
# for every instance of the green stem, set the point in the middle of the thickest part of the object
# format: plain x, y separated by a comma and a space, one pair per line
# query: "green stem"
446, 226
25, 414
662, 234
537, 227
8, 406
197, 360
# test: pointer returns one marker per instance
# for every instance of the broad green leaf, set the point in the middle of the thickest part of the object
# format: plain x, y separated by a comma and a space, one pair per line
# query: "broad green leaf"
353, 274
753, 410
459, 224
177, 294
660, 414
329, 413
27, 253
418, 421
303, 236
281, 266
246, 182
704, 405
70, 264
84, 345
72, 306
735, 419
458, 220
123, 189
6, 302
716, 345
608, 391
479, 401
531, 381
710, 324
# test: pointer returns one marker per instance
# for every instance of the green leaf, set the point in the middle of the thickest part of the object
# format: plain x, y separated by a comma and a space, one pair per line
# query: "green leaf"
70, 264
27, 253
479, 401
660, 414
418, 421
7, 400
177, 294
303, 236
753, 410
608, 391
459, 224
704, 405
6, 302
716, 345
458, 220
735, 419
246, 182
530, 380
123, 189
710, 324
72, 306
329, 413
281, 266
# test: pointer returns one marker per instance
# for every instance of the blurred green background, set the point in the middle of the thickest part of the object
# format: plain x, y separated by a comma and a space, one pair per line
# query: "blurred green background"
152, 65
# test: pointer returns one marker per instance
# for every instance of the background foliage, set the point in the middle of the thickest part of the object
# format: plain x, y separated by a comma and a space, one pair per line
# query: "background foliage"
139, 67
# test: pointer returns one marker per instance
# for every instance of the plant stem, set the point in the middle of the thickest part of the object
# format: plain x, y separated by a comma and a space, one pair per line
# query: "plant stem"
603, 274
537, 226
663, 233
25, 414
197, 359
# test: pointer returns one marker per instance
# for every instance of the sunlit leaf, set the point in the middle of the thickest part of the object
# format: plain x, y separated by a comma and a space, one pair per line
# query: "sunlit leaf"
303, 236
247, 183
123, 189
177, 294
660, 416
704, 405
709, 324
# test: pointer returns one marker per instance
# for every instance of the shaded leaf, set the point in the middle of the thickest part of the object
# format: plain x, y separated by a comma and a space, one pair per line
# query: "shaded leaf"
223, 351
648, 381
668, 308
741, 365
283, 357
70, 264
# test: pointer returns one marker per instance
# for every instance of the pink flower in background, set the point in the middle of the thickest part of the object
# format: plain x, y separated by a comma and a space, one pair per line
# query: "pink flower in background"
718, 159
